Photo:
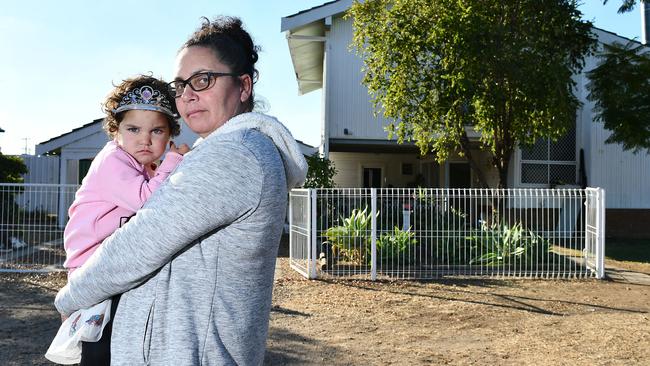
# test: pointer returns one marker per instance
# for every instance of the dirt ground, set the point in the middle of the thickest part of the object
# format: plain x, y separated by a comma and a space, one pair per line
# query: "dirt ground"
450, 322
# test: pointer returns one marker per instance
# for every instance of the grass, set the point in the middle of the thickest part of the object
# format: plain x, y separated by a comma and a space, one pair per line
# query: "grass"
633, 250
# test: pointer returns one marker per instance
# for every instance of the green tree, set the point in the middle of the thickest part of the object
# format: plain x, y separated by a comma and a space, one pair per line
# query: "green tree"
11, 169
320, 173
626, 5
620, 88
436, 67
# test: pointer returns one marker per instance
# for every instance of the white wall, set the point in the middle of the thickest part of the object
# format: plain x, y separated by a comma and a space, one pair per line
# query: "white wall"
350, 166
625, 176
348, 104
41, 169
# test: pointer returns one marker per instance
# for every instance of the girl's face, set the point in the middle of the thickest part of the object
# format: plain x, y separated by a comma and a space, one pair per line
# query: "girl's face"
144, 135
207, 110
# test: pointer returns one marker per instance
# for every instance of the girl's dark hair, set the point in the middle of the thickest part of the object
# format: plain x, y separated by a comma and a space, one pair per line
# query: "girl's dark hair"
232, 46
112, 120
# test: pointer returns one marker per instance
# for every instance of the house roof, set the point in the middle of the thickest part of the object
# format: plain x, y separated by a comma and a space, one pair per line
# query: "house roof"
54, 144
306, 149
78, 133
306, 36
305, 33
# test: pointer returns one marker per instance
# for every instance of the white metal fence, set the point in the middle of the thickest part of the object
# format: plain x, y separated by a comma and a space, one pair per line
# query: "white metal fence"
432, 233
32, 219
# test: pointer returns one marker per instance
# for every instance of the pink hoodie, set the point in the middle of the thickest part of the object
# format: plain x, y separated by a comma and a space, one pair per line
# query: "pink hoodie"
115, 187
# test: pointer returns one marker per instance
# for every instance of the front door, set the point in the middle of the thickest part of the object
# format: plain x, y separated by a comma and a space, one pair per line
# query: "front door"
371, 177
460, 175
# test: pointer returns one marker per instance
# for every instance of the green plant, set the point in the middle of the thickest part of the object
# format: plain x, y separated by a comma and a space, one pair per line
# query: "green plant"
395, 246
349, 239
434, 67
11, 169
320, 173
634, 250
498, 244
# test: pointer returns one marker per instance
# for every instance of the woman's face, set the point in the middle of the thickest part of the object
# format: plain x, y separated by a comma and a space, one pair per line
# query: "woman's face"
205, 111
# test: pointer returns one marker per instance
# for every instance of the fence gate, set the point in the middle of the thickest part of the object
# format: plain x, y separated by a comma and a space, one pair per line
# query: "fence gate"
595, 231
301, 254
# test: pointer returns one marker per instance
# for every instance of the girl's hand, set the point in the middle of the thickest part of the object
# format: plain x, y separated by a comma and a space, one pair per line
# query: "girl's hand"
183, 149
63, 318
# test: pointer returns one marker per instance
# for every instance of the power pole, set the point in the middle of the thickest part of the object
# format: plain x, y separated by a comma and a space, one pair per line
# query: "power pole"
26, 139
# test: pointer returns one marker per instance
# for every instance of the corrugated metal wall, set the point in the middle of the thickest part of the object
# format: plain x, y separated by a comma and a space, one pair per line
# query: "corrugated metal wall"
349, 107
41, 169
625, 176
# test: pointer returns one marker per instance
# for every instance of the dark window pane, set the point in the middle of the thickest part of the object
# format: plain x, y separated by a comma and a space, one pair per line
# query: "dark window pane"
565, 174
539, 151
564, 149
534, 173
84, 166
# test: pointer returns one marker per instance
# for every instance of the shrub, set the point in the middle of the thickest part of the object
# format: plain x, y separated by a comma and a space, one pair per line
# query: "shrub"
498, 244
395, 246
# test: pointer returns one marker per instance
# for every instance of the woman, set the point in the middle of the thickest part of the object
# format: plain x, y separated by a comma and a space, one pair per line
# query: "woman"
196, 263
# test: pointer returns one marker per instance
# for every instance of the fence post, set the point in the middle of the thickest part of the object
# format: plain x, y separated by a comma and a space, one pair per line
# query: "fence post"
587, 212
373, 234
312, 253
600, 244
290, 217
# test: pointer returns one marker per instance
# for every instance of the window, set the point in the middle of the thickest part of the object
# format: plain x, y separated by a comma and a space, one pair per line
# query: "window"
550, 163
407, 169
84, 166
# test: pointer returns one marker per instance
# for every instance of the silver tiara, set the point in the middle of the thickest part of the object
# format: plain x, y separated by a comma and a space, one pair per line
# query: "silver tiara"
145, 98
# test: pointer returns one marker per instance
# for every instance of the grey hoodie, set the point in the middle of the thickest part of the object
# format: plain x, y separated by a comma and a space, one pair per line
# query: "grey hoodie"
196, 263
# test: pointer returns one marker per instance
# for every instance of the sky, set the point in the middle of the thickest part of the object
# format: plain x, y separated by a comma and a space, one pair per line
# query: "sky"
59, 59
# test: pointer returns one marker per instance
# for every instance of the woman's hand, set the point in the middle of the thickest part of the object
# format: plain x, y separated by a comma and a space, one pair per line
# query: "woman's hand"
183, 149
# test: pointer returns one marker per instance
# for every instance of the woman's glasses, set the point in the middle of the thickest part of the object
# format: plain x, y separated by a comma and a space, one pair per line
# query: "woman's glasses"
197, 82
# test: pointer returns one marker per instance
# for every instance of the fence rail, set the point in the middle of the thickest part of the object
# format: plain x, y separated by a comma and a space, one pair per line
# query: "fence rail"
32, 219
431, 233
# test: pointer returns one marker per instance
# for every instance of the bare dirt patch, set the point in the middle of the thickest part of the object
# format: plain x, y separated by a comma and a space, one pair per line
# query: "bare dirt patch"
459, 322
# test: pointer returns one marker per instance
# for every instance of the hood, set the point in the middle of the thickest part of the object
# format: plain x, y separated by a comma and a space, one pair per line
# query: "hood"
295, 165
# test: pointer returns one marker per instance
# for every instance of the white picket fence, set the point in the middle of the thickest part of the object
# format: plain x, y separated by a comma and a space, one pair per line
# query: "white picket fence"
32, 219
433, 233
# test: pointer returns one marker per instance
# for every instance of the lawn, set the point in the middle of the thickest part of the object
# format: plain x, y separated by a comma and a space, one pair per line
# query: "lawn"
633, 250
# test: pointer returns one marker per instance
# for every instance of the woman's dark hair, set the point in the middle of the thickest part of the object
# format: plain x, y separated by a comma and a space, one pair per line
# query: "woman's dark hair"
112, 120
232, 46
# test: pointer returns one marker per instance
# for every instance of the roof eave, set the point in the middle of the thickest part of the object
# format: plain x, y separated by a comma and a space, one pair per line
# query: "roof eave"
306, 38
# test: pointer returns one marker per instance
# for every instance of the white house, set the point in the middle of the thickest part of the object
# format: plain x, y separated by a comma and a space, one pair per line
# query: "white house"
65, 159
74, 151
319, 43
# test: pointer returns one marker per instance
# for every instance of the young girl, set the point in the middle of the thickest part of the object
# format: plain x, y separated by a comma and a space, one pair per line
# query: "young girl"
140, 120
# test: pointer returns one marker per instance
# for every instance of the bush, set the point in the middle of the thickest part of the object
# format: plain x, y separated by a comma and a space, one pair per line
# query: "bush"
501, 243
395, 246
321, 172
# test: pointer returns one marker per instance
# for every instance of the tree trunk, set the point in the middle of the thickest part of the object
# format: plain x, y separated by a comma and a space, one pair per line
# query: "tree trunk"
502, 164
464, 144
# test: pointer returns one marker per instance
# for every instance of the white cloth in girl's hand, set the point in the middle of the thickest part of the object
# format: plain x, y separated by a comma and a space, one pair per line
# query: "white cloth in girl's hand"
84, 325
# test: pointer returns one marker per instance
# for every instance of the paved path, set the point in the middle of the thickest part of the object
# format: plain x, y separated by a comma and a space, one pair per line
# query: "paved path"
626, 276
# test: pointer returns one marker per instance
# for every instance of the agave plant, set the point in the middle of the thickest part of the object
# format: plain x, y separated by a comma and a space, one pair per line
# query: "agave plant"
394, 246
349, 239
501, 243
